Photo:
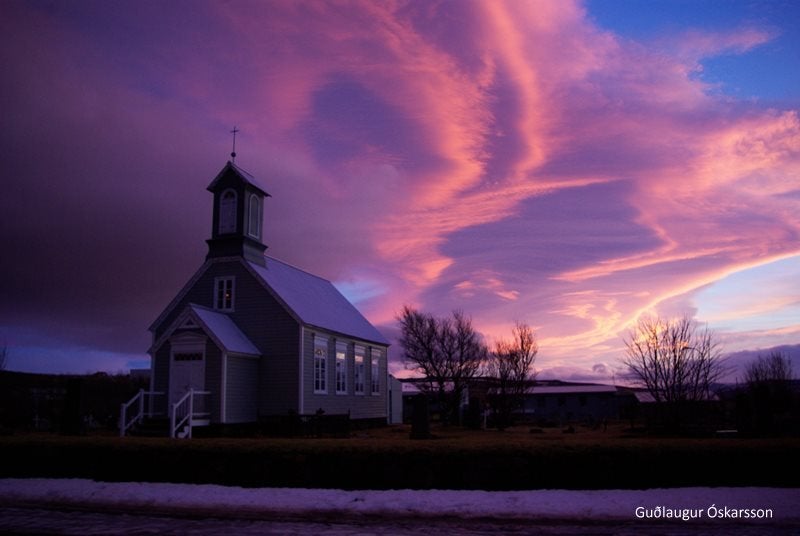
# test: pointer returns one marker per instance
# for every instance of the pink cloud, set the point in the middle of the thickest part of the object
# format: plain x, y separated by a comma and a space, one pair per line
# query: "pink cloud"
486, 281
694, 222
696, 44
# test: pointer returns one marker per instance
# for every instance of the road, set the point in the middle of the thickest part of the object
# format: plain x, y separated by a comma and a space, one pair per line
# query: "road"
39, 519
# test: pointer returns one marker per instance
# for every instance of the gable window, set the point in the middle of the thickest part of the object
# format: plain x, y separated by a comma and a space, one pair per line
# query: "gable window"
227, 212
254, 217
224, 288
375, 378
320, 365
358, 373
341, 368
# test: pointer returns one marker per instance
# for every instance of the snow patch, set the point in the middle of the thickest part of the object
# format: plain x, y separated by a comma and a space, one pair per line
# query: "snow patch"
535, 504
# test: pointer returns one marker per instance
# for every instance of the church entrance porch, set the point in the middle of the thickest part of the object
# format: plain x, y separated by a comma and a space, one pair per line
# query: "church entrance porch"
189, 403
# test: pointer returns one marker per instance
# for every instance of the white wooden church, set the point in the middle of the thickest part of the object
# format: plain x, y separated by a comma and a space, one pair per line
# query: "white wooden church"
250, 337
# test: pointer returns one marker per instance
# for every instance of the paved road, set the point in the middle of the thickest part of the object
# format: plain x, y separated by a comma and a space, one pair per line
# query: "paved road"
40, 520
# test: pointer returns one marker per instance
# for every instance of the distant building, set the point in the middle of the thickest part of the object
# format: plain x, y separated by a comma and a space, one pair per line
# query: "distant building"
564, 402
250, 337
552, 401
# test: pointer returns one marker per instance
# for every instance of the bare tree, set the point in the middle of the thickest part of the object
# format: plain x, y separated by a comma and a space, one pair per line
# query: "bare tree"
768, 394
776, 367
447, 351
675, 360
510, 369
3, 357
419, 339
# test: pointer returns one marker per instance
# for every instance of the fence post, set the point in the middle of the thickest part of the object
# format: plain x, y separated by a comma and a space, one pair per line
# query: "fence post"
191, 412
172, 421
141, 404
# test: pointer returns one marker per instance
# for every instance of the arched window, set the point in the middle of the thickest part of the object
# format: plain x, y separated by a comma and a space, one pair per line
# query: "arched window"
227, 212
254, 220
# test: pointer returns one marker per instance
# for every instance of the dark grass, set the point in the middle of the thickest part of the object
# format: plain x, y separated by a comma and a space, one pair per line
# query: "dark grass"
388, 459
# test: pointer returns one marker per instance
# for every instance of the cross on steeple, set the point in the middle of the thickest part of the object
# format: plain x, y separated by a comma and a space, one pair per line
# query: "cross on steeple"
233, 152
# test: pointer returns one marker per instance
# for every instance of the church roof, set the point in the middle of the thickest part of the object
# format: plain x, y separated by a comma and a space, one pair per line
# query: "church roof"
220, 327
315, 301
224, 331
239, 172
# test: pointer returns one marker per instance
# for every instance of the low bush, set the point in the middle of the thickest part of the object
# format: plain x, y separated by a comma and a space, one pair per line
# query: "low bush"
359, 463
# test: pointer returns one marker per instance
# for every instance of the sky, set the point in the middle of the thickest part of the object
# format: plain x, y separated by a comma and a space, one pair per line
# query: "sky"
570, 165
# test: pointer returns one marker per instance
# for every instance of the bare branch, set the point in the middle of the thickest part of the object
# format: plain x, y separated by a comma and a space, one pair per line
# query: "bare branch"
448, 351
675, 361
774, 367
510, 366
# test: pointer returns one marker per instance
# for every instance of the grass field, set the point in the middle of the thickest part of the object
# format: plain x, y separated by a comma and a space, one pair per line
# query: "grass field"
387, 459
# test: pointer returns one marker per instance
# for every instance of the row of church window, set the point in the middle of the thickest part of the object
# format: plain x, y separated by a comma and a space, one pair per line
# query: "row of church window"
224, 300
227, 214
341, 366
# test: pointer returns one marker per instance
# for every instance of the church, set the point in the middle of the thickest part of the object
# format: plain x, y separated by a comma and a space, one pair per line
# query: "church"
250, 337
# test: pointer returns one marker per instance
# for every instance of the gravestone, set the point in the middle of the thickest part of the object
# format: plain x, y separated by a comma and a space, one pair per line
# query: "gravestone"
420, 418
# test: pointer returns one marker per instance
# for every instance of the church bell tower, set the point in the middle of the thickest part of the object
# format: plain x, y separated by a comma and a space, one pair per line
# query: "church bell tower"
238, 215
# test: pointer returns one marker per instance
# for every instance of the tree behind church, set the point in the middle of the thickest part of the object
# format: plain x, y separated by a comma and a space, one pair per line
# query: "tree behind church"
447, 351
767, 404
510, 369
677, 362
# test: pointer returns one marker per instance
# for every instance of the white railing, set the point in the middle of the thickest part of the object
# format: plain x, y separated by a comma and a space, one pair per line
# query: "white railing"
141, 408
190, 410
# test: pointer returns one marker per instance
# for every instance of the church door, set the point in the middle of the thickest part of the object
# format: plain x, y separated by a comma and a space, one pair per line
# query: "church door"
187, 371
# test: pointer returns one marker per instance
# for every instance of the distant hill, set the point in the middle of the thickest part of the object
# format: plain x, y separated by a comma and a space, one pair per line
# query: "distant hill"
738, 361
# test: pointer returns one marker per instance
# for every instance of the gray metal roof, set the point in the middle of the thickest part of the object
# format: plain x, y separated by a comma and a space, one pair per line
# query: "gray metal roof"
219, 326
224, 331
315, 301
571, 389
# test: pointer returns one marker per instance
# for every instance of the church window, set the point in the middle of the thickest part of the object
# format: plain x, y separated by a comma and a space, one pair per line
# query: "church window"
341, 368
375, 378
227, 212
254, 219
224, 288
358, 373
320, 365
